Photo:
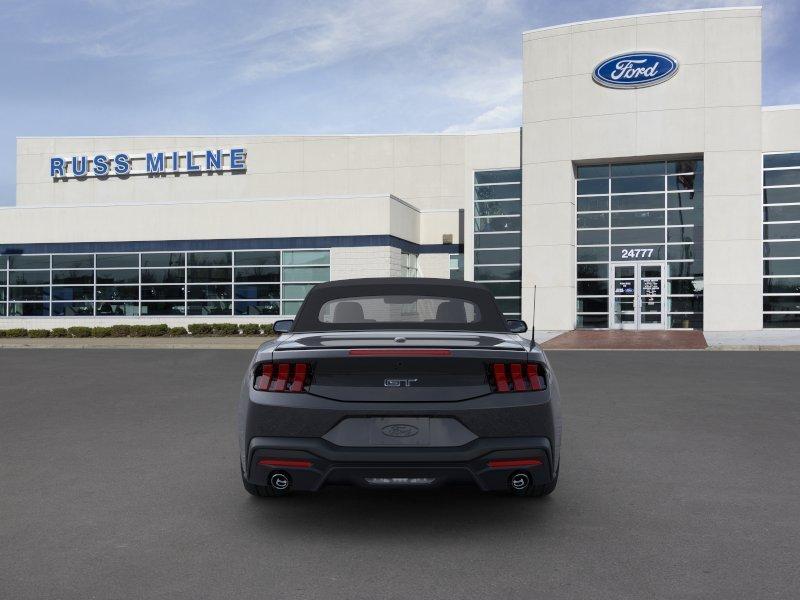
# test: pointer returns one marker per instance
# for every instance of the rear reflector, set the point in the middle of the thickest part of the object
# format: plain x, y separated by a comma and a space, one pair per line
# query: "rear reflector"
400, 352
514, 462
282, 377
517, 377
284, 462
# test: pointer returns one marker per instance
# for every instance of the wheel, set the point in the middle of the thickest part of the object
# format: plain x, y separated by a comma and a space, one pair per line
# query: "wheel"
264, 491
536, 491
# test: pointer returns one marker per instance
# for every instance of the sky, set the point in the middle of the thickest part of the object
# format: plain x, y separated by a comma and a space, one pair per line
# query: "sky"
205, 67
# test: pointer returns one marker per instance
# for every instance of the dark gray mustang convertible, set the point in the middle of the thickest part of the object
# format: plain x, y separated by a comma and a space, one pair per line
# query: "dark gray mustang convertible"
399, 383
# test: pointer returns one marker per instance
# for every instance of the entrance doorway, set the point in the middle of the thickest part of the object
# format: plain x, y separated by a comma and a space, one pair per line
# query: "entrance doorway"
637, 295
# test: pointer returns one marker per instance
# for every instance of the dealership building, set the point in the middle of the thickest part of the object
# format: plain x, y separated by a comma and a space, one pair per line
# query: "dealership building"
647, 188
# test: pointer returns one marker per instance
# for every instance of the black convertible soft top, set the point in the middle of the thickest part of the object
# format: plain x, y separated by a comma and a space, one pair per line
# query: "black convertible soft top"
453, 306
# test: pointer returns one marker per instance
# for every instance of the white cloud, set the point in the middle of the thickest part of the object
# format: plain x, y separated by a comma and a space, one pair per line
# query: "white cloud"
497, 117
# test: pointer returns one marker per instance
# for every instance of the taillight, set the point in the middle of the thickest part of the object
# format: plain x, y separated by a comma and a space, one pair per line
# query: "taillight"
282, 377
517, 377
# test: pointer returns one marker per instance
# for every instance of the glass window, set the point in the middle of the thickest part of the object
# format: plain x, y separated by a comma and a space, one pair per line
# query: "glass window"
593, 288
782, 303
306, 273
117, 275
73, 261
498, 176
637, 219
593, 171
163, 259
638, 252
785, 231
3, 262
688, 321
782, 195
25, 261
680, 252
28, 309
117, 309
680, 234
2, 278
498, 273
294, 291
684, 166
498, 257
593, 236
163, 276
29, 293
63, 277
117, 292
255, 274
306, 257
257, 258
683, 182
208, 259
782, 285
114, 261
790, 159
72, 309
651, 168
493, 192
680, 304
637, 202
787, 177
786, 320
209, 292
592, 186
509, 305
685, 286
589, 254
165, 309
506, 207
625, 185
592, 203
782, 213
257, 292
782, 267
684, 200
586, 221
503, 288
209, 275
684, 217
637, 236
162, 292
593, 321
782, 249
85, 292
497, 224
29, 277
592, 305
681, 269
498, 240
592, 271
209, 308
291, 308
256, 308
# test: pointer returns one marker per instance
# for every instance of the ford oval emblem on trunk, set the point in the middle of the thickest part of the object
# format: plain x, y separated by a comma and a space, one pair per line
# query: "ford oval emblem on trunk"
635, 70
400, 430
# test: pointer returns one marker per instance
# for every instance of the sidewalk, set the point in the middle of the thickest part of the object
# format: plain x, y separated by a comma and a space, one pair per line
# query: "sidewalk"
151, 343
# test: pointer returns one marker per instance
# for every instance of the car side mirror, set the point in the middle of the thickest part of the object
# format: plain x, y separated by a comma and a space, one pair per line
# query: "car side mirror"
283, 326
516, 326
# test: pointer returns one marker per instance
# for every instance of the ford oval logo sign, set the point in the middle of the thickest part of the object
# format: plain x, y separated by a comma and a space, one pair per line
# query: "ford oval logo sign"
635, 70
400, 430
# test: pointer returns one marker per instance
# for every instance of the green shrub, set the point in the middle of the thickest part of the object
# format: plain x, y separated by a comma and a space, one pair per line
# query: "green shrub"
225, 329
38, 333
59, 332
101, 332
266, 329
138, 331
80, 332
201, 329
157, 330
177, 331
17, 332
120, 330
250, 329
2, 333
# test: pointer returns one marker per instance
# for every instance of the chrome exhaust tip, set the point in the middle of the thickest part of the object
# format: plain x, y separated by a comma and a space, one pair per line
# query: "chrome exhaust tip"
280, 481
519, 482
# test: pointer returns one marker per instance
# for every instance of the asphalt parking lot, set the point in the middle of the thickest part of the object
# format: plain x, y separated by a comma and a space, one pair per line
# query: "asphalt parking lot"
119, 479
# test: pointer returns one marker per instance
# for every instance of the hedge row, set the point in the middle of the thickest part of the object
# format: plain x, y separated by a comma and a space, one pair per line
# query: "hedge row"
195, 329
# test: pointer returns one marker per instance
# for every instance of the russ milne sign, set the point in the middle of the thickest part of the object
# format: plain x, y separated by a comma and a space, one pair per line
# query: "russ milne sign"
635, 70
150, 163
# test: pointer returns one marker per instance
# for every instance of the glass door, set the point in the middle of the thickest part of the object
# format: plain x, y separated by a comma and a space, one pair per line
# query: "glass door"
637, 290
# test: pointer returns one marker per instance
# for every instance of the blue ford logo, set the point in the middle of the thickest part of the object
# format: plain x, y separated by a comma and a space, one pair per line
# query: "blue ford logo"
635, 70
400, 430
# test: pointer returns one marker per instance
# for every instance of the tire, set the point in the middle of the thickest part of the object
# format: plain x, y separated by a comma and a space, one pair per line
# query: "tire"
262, 491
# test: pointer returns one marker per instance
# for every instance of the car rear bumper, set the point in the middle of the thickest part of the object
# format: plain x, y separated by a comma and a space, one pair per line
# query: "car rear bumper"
325, 463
